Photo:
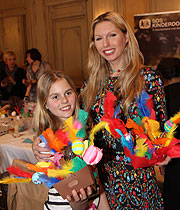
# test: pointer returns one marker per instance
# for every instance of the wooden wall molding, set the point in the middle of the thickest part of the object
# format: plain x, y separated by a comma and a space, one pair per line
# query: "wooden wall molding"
61, 2
64, 11
12, 12
67, 32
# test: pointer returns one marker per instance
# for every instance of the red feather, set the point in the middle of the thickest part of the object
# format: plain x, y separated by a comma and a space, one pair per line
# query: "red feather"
115, 124
150, 105
109, 103
62, 136
19, 172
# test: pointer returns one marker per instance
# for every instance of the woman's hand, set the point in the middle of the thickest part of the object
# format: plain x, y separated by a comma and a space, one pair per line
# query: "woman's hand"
11, 80
4, 82
26, 82
165, 162
40, 153
162, 170
80, 200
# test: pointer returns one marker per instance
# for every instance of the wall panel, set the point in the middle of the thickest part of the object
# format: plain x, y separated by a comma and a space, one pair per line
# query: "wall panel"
165, 5
132, 9
101, 6
71, 48
13, 37
67, 30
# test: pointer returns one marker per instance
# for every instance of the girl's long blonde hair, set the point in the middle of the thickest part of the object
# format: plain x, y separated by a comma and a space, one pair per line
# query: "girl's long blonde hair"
130, 82
43, 118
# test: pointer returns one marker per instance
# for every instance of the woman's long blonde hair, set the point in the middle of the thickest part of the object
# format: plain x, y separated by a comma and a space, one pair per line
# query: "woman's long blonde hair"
43, 118
130, 82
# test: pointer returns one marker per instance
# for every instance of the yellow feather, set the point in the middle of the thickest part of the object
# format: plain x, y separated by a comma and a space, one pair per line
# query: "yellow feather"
86, 145
176, 118
97, 128
152, 127
170, 134
167, 143
61, 172
141, 147
69, 127
58, 173
8, 180
43, 164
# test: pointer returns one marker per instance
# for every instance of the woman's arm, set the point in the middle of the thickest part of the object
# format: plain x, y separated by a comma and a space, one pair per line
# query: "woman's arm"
28, 90
4, 82
103, 202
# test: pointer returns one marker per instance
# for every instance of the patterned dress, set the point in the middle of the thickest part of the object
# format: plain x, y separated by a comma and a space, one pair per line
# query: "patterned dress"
126, 187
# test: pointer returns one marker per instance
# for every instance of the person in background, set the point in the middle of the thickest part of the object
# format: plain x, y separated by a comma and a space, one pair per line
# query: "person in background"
2, 67
35, 68
11, 77
14, 103
169, 69
57, 101
115, 64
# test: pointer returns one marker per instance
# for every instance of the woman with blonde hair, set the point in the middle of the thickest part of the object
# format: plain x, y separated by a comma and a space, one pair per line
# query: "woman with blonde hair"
11, 77
115, 64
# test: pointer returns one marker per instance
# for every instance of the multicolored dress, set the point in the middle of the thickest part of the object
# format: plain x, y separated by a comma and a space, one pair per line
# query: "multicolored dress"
126, 187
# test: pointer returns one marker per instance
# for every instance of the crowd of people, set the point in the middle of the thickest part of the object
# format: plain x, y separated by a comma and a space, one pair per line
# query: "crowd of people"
115, 64
20, 82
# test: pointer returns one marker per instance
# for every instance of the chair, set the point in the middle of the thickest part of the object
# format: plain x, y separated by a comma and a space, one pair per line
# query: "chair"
26, 196
3, 191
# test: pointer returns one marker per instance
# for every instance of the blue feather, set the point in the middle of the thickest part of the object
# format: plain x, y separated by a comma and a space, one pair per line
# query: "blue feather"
131, 144
126, 143
142, 104
116, 111
48, 181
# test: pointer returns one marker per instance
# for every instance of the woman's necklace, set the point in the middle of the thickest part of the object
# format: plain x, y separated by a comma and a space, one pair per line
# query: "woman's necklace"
115, 72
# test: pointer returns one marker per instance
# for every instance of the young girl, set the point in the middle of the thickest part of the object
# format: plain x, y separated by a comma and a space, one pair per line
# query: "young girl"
56, 102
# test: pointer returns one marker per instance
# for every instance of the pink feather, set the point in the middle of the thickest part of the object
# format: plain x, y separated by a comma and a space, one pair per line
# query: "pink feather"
77, 125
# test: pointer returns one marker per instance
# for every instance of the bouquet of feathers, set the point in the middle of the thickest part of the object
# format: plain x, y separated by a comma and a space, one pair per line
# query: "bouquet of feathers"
70, 154
143, 142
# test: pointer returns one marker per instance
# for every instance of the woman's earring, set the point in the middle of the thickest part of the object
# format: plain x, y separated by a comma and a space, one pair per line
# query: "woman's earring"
46, 107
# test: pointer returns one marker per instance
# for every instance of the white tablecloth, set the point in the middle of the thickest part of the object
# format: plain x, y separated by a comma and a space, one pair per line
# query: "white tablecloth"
11, 148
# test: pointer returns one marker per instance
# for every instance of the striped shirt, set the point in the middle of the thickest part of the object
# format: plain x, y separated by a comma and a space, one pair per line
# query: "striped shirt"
55, 201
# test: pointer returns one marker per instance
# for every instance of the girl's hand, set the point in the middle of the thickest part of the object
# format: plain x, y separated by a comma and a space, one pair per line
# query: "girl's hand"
80, 200
40, 152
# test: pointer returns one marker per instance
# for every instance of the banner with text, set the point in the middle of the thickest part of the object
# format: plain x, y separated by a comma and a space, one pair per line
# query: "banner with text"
158, 35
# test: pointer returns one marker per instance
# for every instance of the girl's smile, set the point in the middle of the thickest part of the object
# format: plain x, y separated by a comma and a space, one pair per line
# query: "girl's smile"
61, 100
